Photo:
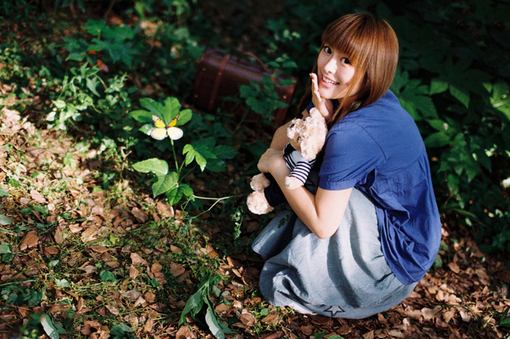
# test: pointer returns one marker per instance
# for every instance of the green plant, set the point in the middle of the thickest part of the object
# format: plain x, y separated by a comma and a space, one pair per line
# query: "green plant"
204, 152
111, 44
262, 98
202, 297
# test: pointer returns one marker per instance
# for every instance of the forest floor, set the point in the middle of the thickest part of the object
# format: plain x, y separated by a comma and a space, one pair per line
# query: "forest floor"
66, 234
114, 262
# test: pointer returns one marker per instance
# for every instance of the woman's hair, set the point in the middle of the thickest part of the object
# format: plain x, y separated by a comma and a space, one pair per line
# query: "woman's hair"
371, 46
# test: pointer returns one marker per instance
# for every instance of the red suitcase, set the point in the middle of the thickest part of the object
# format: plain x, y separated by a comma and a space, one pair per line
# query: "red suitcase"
219, 75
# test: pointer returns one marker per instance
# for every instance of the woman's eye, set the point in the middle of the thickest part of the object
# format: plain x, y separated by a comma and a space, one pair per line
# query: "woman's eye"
327, 49
345, 61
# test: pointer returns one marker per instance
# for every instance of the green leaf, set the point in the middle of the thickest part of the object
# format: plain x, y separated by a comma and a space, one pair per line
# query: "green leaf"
193, 306
76, 56
170, 109
500, 98
460, 94
107, 276
213, 323
49, 327
153, 107
3, 192
184, 117
438, 86
92, 85
224, 152
4, 220
120, 330
197, 152
438, 139
33, 298
147, 128
141, 115
154, 165
175, 194
5, 248
165, 183
216, 165
62, 283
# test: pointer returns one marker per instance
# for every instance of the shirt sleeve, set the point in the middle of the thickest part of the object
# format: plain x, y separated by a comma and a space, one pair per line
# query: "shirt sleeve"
350, 155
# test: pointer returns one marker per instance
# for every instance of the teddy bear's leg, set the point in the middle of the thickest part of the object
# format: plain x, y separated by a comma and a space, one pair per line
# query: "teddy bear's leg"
257, 203
259, 182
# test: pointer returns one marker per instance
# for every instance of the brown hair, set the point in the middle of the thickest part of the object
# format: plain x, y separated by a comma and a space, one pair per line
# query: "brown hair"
371, 46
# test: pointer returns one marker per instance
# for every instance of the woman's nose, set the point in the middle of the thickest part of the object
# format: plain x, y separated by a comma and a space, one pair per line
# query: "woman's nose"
331, 65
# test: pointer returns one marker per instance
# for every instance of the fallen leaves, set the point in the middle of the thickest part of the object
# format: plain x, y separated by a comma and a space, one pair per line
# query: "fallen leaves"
84, 233
29, 241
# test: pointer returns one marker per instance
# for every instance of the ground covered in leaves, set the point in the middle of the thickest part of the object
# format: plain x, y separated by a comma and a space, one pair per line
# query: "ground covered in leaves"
103, 259
109, 261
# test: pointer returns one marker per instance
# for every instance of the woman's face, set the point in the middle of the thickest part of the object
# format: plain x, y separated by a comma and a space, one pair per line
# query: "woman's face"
335, 73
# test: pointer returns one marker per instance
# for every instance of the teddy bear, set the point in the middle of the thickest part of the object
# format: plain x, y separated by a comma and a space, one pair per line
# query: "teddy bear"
306, 139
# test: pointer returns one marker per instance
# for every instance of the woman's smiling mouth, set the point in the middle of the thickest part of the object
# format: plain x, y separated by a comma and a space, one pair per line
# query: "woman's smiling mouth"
329, 82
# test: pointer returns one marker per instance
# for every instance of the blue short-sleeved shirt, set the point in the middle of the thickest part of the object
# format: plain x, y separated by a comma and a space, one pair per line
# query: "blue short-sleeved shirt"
379, 151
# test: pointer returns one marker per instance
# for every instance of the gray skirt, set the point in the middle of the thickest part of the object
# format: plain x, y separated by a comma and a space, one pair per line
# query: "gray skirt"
344, 276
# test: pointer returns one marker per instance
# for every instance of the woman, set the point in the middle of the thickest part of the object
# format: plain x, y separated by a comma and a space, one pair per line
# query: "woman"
360, 243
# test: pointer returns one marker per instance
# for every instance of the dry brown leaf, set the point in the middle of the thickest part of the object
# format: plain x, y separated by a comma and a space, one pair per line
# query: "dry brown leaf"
88, 269
307, 329
89, 234
427, 313
99, 249
24, 201
136, 259
271, 318
465, 315
139, 214
113, 310
79, 305
276, 335
176, 269
156, 267
149, 324
133, 272
454, 267
140, 301
58, 234
184, 333
150, 297
50, 250
165, 210
247, 318
75, 228
396, 334
222, 309
369, 335
449, 314
38, 197
133, 294
30, 240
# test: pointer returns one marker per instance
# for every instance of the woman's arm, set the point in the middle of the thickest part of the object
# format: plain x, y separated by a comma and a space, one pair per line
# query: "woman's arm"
322, 212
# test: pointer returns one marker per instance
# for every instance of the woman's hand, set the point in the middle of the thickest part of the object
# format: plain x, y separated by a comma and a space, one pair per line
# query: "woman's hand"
325, 106
271, 161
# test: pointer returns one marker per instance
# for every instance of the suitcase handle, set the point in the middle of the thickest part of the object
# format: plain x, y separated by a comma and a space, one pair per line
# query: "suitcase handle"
256, 58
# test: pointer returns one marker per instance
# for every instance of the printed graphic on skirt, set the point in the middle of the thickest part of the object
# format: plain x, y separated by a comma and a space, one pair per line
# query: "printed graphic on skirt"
334, 310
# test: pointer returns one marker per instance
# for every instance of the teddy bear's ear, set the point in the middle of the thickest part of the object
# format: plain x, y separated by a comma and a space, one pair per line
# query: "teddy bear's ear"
316, 114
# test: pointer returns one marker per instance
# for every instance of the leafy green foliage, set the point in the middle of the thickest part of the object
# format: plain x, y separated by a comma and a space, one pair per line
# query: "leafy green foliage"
204, 152
200, 299
262, 98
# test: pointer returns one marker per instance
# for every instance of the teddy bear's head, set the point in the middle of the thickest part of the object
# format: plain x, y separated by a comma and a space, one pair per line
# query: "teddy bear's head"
308, 135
